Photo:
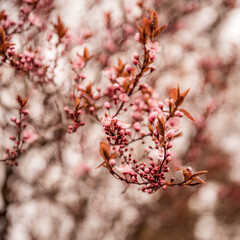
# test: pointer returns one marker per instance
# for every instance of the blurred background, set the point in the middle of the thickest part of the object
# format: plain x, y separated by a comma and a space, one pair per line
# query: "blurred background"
56, 192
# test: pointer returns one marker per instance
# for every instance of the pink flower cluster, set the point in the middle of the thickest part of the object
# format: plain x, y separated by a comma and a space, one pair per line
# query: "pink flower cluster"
75, 116
29, 62
116, 90
19, 139
153, 49
117, 131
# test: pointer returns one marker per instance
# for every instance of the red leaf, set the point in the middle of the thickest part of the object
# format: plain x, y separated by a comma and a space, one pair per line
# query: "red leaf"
179, 101
105, 151
19, 99
174, 94
161, 124
184, 94
24, 102
154, 20
146, 24
187, 114
77, 102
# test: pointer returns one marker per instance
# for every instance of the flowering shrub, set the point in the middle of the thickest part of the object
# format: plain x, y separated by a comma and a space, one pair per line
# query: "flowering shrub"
126, 94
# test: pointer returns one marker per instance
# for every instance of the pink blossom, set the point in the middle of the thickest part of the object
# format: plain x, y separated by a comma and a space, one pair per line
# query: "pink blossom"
110, 73
35, 20
125, 168
128, 68
137, 115
49, 36
152, 116
153, 46
171, 134
30, 136
153, 49
111, 46
137, 126
135, 61
122, 124
107, 105
25, 9
136, 56
137, 37
112, 162
173, 123
123, 97
78, 63
128, 29
82, 170
96, 95
106, 121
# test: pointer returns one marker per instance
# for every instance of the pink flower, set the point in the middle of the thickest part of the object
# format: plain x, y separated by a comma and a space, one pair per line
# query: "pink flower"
107, 105
122, 124
82, 170
30, 136
112, 162
171, 134
106, 121
110, 73
111, 46
128, 29
153, 49
137, 115
128, 68
123, 97
78, 63
125, 169
153, 46
35, 20
152, 116
173, 123
137, 126
137, 37
136, 56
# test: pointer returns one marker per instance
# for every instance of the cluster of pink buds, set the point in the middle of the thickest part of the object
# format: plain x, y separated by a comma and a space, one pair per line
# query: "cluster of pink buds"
84, 98
163, 121
26, 15
20, 138
29, 62
117, 131
23, 62
75, 116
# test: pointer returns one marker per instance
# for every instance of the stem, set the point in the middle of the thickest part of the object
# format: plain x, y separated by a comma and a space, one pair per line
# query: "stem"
135, 81
140, 138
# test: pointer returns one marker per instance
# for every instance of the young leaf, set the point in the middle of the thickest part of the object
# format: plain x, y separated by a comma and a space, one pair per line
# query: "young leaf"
174, 94
2, 36
146, 24
104, 151
19, 100
77, 102
161, 125
85, 53
113, 155
163, 27
24, 102
184, 94
154, 20
187, 114
179, 101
